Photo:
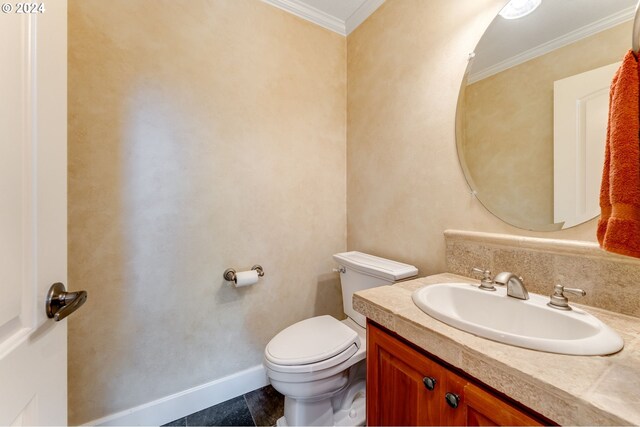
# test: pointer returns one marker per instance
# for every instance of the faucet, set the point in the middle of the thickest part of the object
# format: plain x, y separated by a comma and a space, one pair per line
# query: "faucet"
514, 283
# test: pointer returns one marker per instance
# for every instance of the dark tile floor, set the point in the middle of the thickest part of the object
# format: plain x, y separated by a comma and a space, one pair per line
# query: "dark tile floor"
260, 407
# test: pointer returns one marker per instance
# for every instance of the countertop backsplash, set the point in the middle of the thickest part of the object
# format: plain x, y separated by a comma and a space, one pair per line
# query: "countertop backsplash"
612, 282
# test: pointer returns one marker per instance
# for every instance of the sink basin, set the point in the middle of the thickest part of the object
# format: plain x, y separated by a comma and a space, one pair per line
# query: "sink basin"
529, 324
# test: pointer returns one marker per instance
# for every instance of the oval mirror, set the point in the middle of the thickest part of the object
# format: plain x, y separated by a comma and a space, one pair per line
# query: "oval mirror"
532, 113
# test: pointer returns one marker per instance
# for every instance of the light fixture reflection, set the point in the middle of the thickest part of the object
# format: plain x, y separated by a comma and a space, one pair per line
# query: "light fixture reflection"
518, 8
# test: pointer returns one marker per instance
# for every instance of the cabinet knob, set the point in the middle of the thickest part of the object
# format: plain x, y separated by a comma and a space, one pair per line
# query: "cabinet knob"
429, 383
452, 399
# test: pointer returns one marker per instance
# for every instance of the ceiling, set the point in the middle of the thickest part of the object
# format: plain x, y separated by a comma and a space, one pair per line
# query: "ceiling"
341, 16
554, 24
506, 43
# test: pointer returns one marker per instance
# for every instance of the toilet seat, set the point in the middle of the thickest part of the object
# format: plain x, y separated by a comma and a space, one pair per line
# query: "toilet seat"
313, 367
311, 345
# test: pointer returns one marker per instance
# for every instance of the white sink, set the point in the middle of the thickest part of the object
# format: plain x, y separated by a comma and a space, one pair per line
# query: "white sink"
523, 323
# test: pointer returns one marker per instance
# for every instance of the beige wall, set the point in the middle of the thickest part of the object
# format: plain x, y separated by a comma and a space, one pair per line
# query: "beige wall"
405, 186
509, 126
202, 135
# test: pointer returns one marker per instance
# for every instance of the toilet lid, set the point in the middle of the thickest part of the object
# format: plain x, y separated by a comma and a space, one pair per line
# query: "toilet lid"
310, 341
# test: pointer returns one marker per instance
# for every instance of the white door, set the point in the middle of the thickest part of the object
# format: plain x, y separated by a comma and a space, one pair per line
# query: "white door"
33, 215
580, 114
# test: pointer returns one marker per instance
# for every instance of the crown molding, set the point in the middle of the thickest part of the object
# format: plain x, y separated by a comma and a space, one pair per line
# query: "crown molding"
572, 37
330, 22
360, 15
311, 14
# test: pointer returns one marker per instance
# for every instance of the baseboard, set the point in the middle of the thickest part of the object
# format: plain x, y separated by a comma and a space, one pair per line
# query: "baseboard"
169, 408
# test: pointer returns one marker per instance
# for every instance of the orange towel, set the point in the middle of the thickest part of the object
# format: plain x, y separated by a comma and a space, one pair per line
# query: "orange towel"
619, 224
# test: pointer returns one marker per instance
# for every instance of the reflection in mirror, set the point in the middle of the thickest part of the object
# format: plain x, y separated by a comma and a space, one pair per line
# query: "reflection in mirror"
532, 113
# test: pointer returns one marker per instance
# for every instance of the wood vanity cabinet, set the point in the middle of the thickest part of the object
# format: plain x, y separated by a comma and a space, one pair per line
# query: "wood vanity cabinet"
407, 387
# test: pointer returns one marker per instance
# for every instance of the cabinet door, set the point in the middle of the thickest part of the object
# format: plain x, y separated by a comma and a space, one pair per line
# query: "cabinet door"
398, 381
452, 400
484, 409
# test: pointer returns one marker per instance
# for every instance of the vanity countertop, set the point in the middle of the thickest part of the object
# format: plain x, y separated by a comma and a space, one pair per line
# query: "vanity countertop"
573, 390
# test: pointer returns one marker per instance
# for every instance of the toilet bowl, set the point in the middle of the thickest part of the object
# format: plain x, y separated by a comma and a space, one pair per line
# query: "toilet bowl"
319, 364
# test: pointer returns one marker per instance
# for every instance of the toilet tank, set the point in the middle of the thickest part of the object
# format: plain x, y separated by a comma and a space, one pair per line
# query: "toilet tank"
362, 271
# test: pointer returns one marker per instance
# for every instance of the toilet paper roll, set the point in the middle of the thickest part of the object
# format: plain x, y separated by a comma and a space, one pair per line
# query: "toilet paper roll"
246, 278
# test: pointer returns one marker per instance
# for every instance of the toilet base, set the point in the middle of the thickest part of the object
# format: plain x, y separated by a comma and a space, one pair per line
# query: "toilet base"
345, 407
354, 415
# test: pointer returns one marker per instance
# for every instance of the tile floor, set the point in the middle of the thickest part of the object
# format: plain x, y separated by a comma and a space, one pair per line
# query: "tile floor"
260, 407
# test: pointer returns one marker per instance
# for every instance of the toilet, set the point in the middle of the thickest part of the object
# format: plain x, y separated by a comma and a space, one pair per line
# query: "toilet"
318, 364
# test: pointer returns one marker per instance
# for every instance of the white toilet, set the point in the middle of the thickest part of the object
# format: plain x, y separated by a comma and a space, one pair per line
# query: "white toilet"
318, 364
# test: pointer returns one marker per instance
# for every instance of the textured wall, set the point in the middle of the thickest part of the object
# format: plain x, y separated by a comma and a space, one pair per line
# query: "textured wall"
202, 135
509, 143
404, 184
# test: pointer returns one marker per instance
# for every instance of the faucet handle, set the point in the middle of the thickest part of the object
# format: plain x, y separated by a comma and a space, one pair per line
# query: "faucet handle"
574, 291
486, 284
559, 300
485, 273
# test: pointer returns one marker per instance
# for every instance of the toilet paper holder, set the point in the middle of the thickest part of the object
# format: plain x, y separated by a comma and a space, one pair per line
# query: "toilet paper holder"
230, 274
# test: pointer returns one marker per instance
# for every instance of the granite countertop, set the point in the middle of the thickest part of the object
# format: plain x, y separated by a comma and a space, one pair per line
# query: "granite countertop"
574, 390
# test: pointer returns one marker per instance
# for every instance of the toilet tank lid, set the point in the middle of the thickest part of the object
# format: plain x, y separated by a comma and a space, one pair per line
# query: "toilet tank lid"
376, 266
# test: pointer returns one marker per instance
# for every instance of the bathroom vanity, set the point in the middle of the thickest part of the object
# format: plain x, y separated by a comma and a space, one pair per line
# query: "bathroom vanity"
407, 386
421, 371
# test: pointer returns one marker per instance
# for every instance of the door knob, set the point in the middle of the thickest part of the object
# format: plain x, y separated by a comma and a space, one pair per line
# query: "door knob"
60, 303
